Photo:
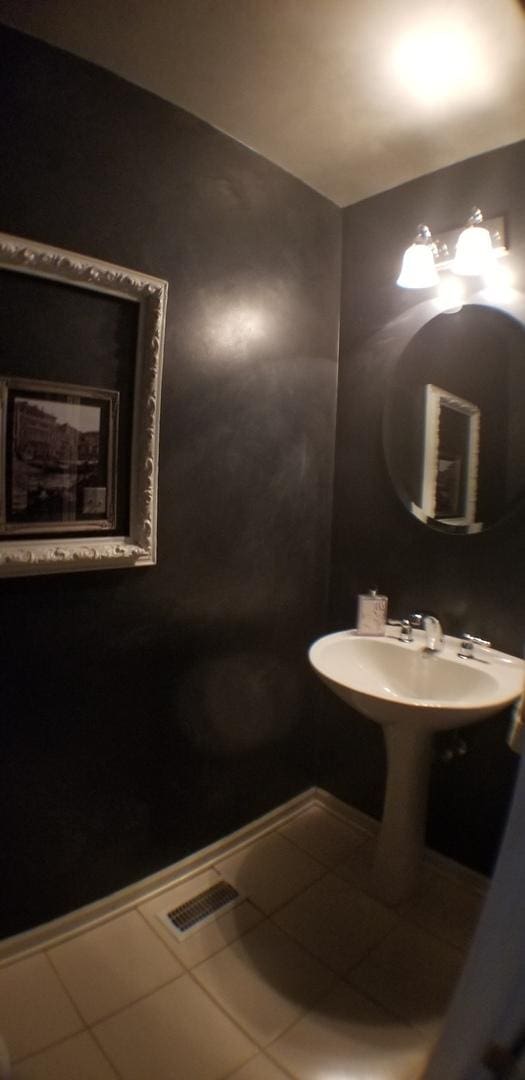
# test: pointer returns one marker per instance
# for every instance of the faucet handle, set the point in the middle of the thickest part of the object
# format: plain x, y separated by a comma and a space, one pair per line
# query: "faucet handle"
405, 633
468, 643
476, 641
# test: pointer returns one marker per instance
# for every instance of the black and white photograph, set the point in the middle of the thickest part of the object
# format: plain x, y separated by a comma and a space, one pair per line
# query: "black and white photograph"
58, 457
448, 488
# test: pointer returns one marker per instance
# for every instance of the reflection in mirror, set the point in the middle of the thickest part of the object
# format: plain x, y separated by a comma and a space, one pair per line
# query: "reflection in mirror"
453, 424
450, 458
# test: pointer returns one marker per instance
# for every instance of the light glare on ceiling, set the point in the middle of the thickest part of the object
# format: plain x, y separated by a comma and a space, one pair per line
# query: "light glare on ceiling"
439, 64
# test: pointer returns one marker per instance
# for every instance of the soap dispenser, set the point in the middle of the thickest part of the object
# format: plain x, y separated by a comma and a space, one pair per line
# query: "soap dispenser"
371, 613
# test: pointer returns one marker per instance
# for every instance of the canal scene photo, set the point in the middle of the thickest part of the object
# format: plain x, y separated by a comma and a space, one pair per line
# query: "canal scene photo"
59, 458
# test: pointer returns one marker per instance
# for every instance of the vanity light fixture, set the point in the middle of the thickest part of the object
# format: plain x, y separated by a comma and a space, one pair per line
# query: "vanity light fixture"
418, 270
477, 248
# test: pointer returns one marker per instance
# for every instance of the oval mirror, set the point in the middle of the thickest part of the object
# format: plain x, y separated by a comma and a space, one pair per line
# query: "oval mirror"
454, 430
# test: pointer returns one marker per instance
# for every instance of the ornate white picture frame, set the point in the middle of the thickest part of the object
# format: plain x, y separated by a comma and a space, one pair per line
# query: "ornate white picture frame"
437, 401
21, 556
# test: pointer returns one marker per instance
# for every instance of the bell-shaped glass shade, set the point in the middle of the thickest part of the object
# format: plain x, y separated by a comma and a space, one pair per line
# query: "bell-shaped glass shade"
419, 269
474, 252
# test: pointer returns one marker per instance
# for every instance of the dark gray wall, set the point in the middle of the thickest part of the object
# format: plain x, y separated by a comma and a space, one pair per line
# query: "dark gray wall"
474, 583
145, 713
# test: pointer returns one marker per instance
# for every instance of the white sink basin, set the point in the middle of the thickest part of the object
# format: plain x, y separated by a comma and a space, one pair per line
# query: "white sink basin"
412, 694
390, 680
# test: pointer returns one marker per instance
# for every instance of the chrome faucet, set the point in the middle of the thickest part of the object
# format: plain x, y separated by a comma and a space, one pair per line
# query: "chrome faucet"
434, 633
433, 630
435, 638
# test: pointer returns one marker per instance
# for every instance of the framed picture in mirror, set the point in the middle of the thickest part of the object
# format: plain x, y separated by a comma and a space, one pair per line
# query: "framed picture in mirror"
451, 439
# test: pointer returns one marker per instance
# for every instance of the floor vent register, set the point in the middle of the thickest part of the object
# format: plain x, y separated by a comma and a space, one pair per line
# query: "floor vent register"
202, 908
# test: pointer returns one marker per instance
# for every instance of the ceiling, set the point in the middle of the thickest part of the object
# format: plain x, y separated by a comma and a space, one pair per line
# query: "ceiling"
351, 96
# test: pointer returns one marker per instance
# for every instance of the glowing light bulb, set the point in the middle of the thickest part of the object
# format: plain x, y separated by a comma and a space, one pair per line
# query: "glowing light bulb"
418, 270
474, 252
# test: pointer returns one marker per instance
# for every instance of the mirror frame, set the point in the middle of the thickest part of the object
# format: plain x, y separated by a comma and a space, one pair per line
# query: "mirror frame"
391, 341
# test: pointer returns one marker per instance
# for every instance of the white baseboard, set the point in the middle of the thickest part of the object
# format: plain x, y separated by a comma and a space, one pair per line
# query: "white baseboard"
470, 878
91, 915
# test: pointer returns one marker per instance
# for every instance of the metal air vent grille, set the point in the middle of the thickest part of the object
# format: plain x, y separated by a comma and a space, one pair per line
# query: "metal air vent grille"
201, 908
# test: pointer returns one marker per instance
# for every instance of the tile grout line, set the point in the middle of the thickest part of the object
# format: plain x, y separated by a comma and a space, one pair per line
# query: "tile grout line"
347, 977
43, 1049
158, 935
284, 1068
90, 1024
261, 1047
90, 1027
326, 963
410, 920
218, 1005
399, 1020
436, 936
397, 1016
303, 1011
151, 926
263, 1054
118, 1074
135, 1001
305, 851
83, 1025
61, 1042
281, 907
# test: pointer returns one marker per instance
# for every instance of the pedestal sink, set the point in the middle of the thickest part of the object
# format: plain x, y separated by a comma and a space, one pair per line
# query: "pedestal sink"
411, 693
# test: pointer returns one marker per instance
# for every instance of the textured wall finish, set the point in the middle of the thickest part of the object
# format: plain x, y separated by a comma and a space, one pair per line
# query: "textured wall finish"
147, 713
473, 583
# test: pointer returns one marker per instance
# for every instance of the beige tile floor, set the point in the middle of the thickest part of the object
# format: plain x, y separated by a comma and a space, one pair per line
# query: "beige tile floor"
308, 977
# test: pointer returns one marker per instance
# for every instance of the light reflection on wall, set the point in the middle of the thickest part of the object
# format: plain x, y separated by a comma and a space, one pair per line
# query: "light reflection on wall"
234, 327
499, 286
451, 294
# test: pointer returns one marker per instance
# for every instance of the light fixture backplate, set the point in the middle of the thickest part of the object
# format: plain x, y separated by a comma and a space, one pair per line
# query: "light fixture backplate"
445, 242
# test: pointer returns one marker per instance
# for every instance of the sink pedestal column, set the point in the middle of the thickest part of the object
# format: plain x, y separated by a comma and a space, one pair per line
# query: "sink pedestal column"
401, 839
